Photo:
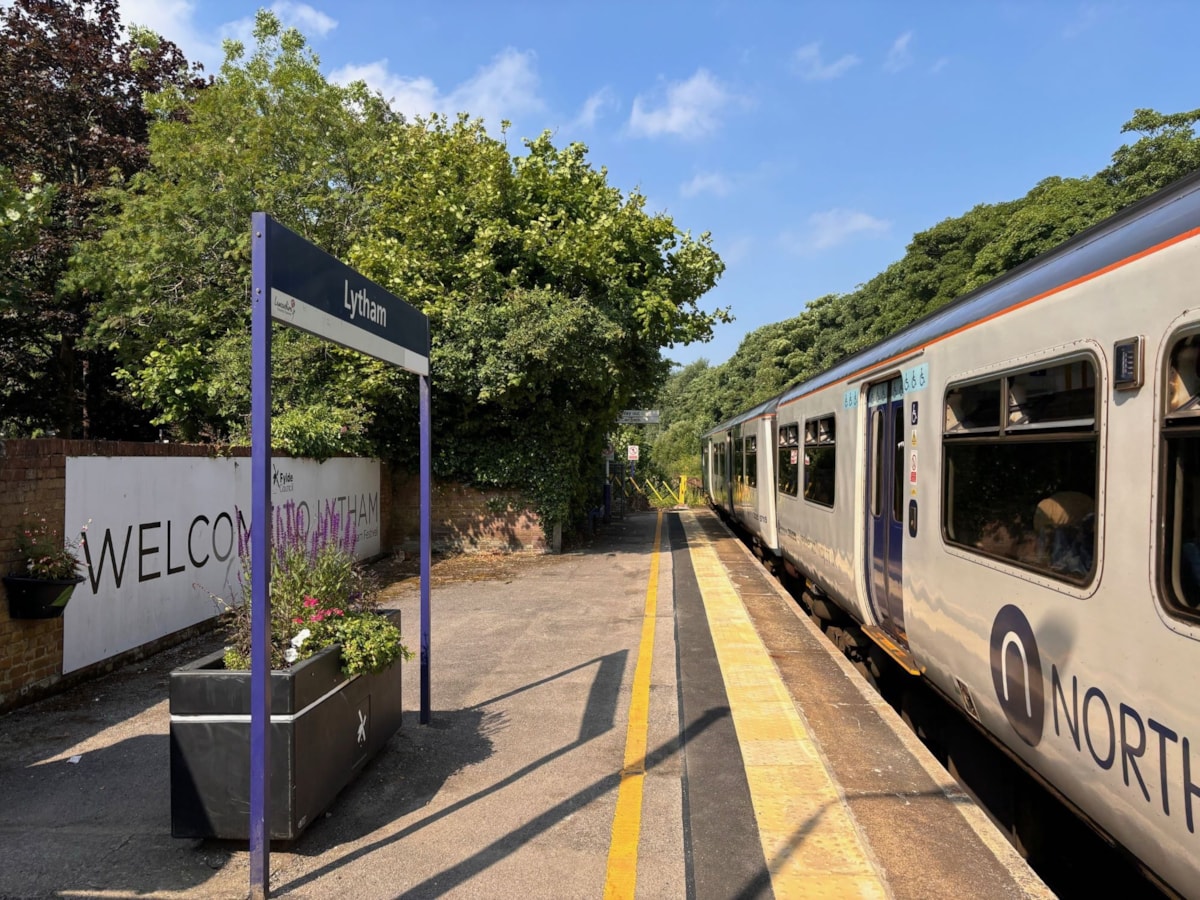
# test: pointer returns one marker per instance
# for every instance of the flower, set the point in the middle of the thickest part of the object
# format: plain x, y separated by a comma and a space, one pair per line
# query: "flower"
44, 553
316, 583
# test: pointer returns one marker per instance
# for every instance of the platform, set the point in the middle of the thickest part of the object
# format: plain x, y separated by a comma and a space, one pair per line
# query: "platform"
650, 716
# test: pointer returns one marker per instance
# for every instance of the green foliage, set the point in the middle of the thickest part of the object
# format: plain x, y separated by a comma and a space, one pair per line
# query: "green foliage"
942, 263
1167, 150
369, 642
174, 256
24, 209
320, 596
71, 118
549, 293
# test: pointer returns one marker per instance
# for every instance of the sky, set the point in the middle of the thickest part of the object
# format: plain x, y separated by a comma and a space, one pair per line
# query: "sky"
811, 139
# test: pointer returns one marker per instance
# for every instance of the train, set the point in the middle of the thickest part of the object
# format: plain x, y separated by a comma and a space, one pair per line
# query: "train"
1004, 497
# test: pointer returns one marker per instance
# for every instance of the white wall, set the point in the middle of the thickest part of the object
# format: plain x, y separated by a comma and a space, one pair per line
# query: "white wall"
162, 537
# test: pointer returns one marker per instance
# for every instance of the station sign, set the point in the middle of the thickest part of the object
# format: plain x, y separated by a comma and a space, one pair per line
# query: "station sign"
639, 417
315, 292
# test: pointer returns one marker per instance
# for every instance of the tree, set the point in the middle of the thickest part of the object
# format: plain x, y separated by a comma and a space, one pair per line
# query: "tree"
173, 258
952, 258
549, 296
1167, 150
548, 292
71, 115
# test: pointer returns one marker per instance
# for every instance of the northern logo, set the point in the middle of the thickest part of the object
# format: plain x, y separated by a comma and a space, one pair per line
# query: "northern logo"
1017, 674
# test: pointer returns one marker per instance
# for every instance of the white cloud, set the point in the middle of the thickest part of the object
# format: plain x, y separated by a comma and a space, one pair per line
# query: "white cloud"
833, 227
810, 66
411, 96
302, 16
900, 56
707, 182
504, 89
173, 20
594, 107
738, 251
691, 108
308, 21
939, 65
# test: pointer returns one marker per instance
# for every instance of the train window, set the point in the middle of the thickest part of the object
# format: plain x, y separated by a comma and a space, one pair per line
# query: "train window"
1180, 550
973, 408
1058, 397
789, 459
877, 466
1021, 486
899, 469
739, 447
820, 460
752, 461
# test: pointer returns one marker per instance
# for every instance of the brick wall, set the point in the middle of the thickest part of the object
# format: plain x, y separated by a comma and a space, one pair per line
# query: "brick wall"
33, 477
463, 518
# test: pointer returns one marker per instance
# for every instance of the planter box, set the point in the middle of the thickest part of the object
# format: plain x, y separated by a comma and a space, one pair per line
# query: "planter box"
38, 598
325, 726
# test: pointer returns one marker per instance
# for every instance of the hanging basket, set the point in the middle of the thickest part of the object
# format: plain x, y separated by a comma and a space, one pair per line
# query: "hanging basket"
38, 598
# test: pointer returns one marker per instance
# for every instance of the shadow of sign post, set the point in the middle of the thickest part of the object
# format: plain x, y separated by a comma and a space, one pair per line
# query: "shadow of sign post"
298, 284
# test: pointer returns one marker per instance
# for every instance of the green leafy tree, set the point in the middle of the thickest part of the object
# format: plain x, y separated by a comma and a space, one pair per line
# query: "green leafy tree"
941, 263
173, 259
549, 293
1167, 150
71, 118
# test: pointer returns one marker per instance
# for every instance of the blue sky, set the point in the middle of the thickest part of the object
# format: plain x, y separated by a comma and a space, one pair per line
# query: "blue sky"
811, 139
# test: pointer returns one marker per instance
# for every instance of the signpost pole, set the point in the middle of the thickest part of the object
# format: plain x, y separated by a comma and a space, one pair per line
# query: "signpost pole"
302, 286
426, 444
260, 564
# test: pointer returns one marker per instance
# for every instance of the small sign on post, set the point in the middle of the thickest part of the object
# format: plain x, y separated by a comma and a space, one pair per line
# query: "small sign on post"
633, 452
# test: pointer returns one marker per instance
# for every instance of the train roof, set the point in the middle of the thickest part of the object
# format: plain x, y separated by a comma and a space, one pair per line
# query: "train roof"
765, 408
1166, 214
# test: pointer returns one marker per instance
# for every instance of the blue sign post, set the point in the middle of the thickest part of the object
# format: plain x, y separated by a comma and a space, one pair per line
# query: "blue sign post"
300, 285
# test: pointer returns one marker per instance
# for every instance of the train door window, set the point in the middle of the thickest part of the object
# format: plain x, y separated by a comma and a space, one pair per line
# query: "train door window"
820, 460
789, 459
1020, 476
1179, 560
877, 462
899, 459
752, 461
738, 450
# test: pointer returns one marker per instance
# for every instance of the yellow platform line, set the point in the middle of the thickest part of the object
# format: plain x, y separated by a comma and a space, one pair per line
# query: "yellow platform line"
621, 878
809, 839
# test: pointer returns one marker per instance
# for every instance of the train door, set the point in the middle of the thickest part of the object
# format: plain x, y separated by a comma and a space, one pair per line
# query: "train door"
885, 504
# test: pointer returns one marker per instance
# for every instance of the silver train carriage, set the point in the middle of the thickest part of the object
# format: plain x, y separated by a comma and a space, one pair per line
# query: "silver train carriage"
1006, 495
739, 472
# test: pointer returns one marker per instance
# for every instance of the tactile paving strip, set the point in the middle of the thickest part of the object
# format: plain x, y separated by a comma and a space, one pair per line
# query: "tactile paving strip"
809, 838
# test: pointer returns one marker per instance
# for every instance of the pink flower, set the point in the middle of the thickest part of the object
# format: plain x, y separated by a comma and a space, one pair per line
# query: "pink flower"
311, 601
298, 619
